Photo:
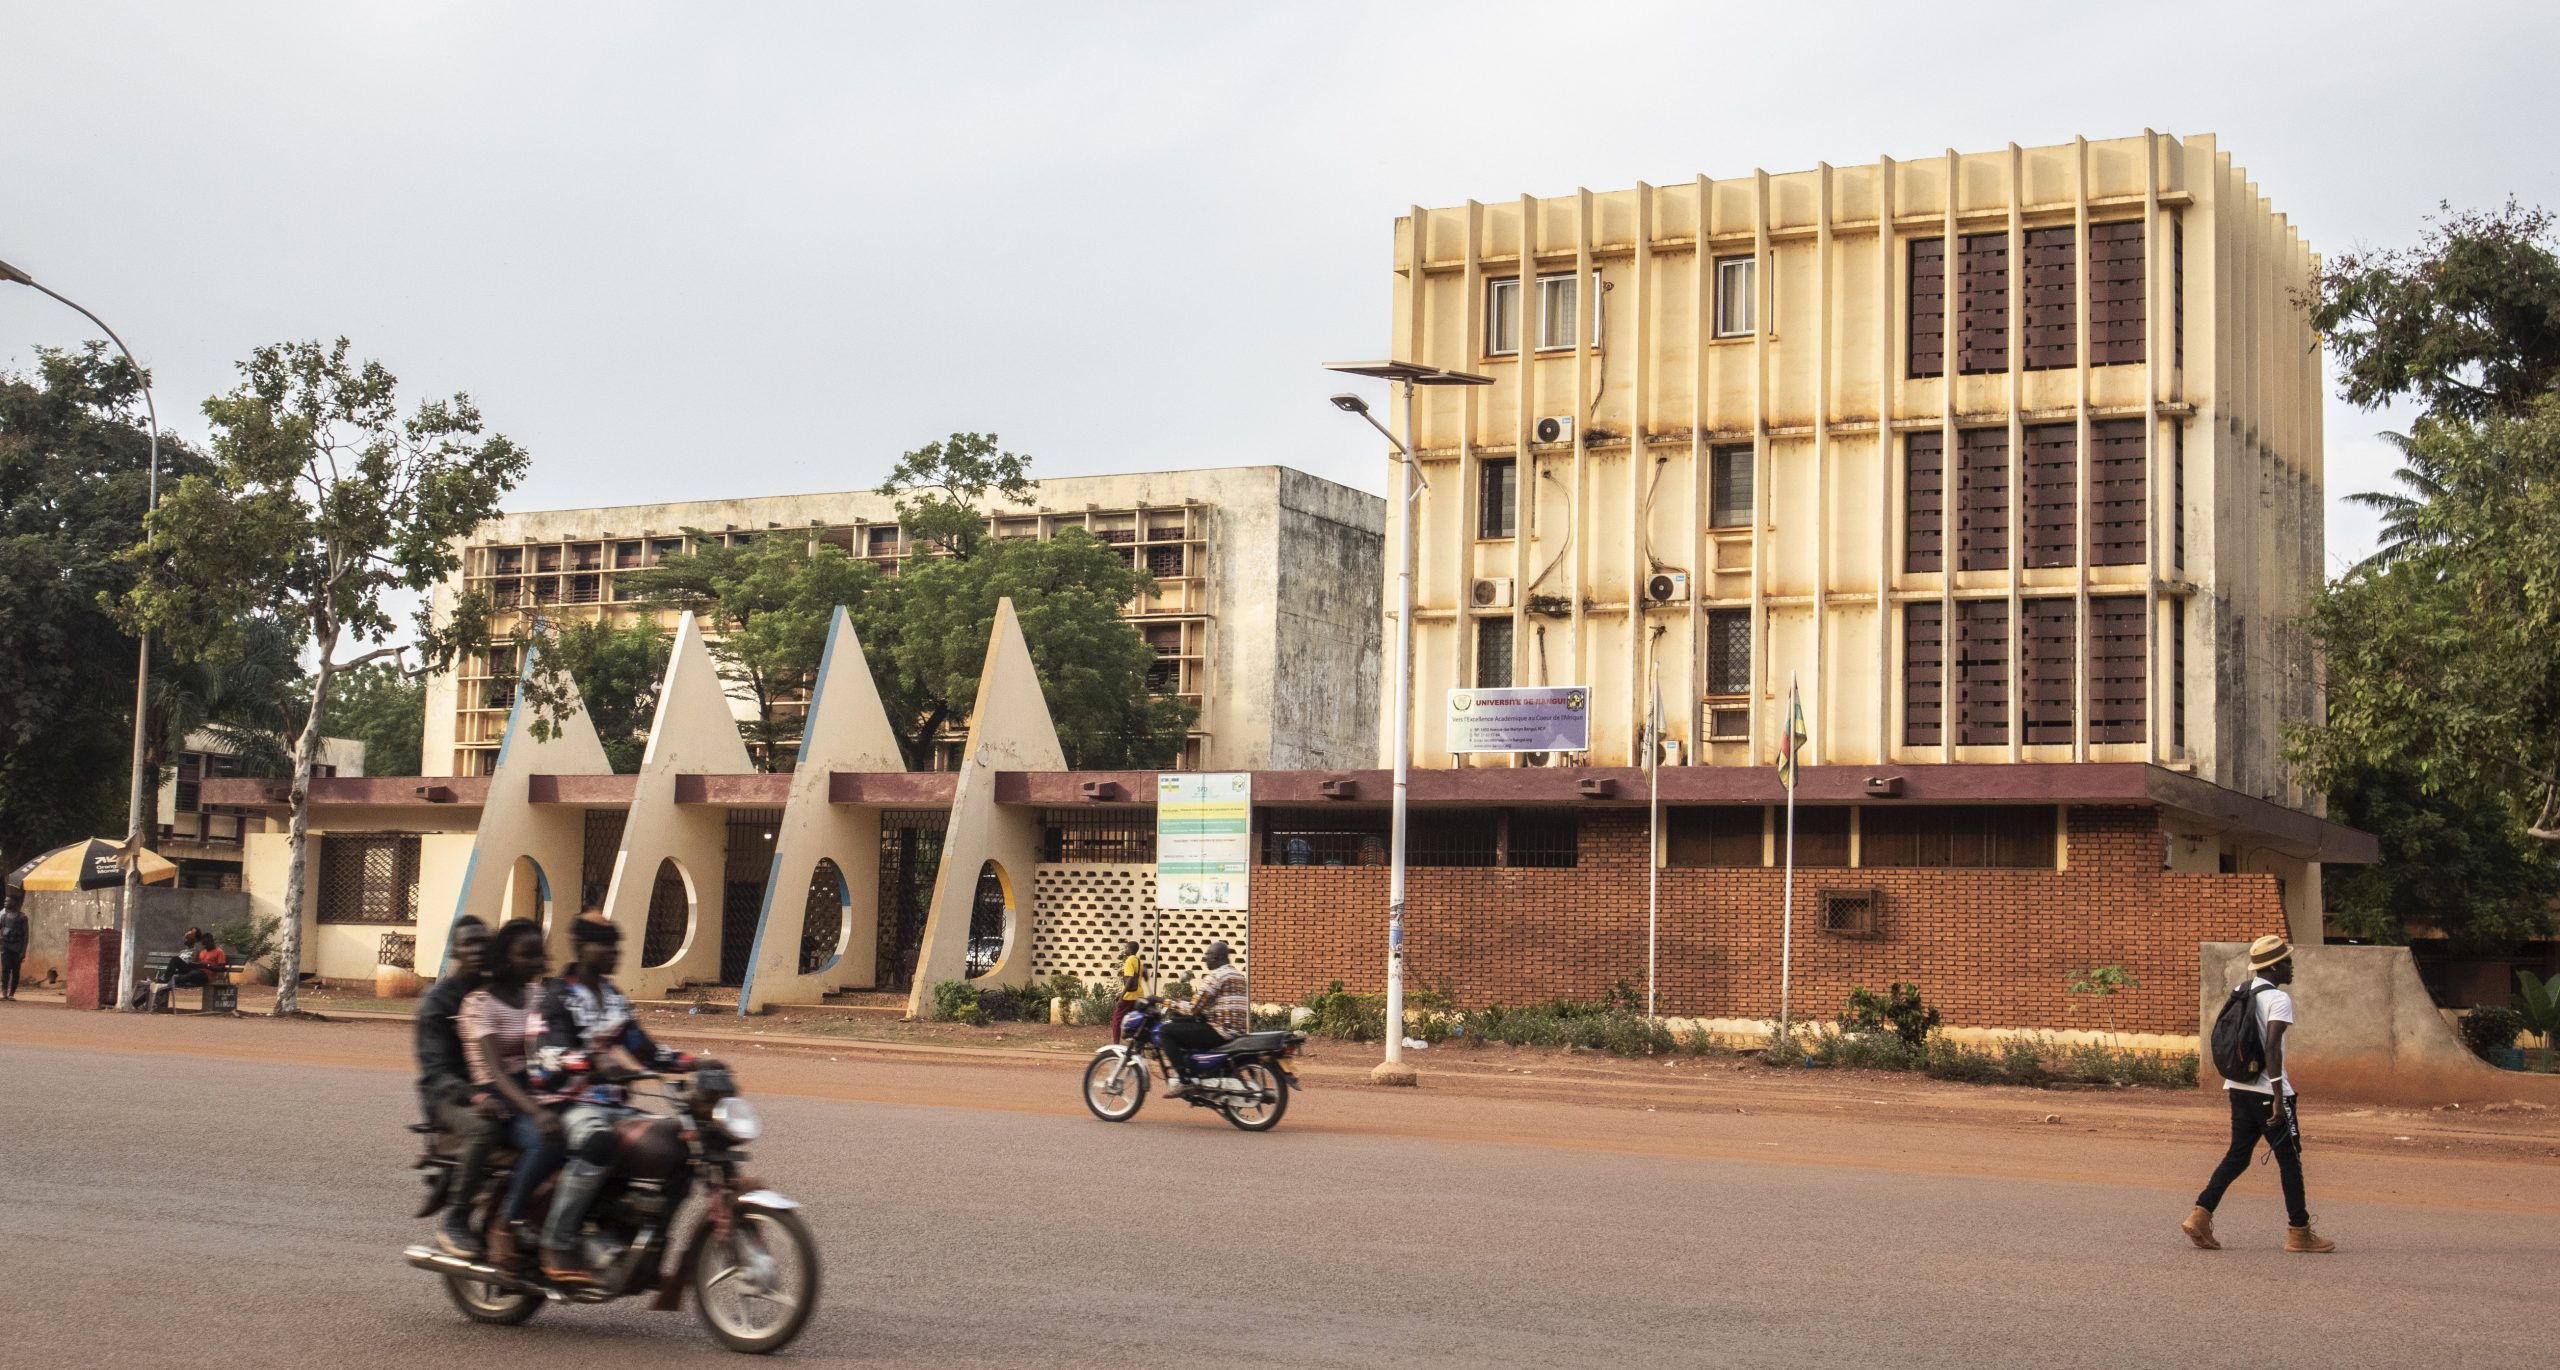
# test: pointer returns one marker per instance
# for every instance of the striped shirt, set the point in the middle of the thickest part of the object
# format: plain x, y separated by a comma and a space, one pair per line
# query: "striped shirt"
1220, 998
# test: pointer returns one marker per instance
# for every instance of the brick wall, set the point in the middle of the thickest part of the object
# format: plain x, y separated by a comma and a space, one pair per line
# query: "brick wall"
1989, 948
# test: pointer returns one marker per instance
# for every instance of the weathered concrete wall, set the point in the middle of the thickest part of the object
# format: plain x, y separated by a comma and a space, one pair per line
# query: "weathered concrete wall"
2365, 1029
1327, 604
165, 916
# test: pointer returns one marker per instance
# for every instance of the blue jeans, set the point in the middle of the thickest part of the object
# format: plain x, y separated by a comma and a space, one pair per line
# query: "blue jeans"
537, 1157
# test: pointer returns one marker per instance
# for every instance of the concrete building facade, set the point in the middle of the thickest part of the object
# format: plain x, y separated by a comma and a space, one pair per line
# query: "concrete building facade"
1264, 613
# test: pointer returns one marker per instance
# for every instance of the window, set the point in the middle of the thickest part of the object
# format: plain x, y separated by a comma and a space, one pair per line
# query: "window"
2045, 714
1725, 835
1924, 507
1960, 835
1502, 318
1982, 303
1728, 652
1737, 285
1729, 471
1851, 913
1498, 513
1924, 674
2051, 316
1097, 836
1557, 318
1928, 307
2052, 501
2118, 502
1982, 673
1822, 834
1493, 653
1982, 499
2116, 298
1544, 839
2178, 495
2178, 678
2118, 668
880, 542
2177, 293
368, 878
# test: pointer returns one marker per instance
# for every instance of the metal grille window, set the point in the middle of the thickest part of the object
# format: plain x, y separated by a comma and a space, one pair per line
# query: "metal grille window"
368, 878
603, 842
1543, 839
1924, 674
822, 918
2046, 661
2178, 678
2118, 501
747, 865
190, 775
1982, 303
670, 915
2119, 667
1982, 673
2178, 495
1502, 317
1498, 510
1729, 473
1958, 835
2051, 314
2052, 511
1493, 653
1982, 499
1924, 510
2177, 293
1097, 837
1728, 652
1723, 835
1296, 839
1928, 307
1737, 282
1851, 913
2116, 294
1163, 563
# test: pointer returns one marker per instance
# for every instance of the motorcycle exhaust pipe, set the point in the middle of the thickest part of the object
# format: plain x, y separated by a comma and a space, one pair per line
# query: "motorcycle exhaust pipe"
429, 1258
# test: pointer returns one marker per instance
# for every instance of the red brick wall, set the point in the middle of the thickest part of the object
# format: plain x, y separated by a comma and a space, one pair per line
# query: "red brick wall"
1989, 948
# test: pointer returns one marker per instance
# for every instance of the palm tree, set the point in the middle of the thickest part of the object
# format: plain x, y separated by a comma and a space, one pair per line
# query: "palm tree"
2405, 528
243, 704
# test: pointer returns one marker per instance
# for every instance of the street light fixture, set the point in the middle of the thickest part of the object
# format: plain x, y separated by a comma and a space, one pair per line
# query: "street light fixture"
1393, 1070
129, 919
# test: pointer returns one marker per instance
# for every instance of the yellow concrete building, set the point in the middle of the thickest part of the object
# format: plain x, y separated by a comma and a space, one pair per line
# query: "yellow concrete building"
2006, 457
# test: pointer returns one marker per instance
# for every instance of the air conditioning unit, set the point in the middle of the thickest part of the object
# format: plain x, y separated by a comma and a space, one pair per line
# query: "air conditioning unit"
1667, 587
1671, 751
1554, 428
1492, 592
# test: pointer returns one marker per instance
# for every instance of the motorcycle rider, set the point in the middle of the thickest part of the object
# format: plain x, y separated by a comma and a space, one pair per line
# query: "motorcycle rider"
451, 1102
1218, 1010
501, 1022
588, 1034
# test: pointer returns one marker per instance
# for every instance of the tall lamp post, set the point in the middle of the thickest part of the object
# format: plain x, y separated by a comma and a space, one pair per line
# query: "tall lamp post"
129, 919
1393, 1070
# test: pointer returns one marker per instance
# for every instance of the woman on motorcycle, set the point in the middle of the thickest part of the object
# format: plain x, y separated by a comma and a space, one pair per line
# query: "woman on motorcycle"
500, 1023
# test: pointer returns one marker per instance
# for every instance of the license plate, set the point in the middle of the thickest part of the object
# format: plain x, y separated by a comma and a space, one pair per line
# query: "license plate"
1289, 1070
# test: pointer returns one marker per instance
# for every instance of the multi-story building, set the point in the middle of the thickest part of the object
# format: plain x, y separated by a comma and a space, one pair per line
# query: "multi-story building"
1264, 612
206, 840
2001, 457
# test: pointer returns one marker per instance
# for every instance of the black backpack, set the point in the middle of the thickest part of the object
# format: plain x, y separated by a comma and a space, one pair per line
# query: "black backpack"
2239, 1049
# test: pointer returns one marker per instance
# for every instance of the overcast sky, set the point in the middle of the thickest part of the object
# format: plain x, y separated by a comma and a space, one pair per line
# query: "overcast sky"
695, 251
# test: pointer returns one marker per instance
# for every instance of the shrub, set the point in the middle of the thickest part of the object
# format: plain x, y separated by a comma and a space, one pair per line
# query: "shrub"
1349, 1017
958, 1001
2491, 1028
1786, 1047
248, 938
1866, 1051
1901, 1013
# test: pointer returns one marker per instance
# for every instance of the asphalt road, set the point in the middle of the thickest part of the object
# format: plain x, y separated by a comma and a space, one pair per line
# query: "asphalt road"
162, 1209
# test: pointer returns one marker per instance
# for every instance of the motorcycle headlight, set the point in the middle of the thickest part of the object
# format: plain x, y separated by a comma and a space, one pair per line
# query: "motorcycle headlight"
738, 1118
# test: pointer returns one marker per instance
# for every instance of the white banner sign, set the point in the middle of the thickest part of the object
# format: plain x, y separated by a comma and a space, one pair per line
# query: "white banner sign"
1536, 718
1204, 840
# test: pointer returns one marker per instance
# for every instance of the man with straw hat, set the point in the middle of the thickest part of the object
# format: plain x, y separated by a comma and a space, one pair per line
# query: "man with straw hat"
2263, 1106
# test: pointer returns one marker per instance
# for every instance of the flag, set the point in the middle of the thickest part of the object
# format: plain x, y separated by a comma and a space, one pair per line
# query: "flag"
1792, 742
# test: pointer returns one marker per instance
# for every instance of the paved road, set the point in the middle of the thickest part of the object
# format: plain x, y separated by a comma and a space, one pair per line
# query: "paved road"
140, 1227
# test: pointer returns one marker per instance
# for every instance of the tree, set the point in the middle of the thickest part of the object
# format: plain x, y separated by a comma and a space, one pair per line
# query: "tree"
2467, 322
246, 700
385, 708
2456, 862
766, 605
74, 463
323, 501
617, 670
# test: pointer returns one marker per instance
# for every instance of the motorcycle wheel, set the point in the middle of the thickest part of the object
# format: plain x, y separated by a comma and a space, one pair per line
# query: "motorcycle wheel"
1115, 1101
1263, 1114
769, 1259
489, 1303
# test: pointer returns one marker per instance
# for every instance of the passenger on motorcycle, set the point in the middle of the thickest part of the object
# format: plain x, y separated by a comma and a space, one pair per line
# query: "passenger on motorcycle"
501, 1022
445, 1093
1219, 1009
590, 1045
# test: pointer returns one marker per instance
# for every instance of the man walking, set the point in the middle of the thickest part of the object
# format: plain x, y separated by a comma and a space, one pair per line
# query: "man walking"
13, 940
1133, 985
2263, 1106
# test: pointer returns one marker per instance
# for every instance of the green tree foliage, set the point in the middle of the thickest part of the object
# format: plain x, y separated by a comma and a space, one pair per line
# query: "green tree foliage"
74, 464
618, 669
2467, 322
385, 708
245, 702
2456, 861
766, 604
323, 502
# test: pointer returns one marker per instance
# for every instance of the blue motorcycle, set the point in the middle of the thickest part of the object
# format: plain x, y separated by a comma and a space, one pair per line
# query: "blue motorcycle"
1247, 1079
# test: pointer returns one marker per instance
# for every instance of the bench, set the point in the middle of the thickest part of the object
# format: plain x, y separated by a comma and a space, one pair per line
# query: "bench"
220, 995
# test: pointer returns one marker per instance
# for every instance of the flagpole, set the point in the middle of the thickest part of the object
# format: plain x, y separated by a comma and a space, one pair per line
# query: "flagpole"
1653, 833
1787, 921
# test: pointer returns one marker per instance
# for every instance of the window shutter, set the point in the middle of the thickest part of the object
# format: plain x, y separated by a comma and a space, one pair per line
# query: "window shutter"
2052, 494
1924, 526
2118, 512
2115, 293
1982, 499
1924, 674
1928, 308
1982, 672
2046, 711
2117, 669
1982, 303
2051, 331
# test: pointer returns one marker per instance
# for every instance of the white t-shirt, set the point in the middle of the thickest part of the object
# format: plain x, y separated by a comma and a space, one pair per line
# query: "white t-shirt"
2273, 1006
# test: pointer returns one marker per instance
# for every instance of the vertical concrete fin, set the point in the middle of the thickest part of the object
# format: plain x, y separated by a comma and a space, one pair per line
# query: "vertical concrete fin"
513, 828
847, 730
1009, 730
695, 733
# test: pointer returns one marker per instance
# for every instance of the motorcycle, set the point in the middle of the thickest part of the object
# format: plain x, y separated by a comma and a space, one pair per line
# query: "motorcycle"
751, 1261
1247, 1079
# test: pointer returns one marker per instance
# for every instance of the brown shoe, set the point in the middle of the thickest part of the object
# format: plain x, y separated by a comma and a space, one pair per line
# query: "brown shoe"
560, 1266
2305, 1240
502, 1245
2199, 1229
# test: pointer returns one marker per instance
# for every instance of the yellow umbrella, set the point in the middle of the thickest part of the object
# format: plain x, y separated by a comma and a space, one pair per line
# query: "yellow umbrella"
90, 864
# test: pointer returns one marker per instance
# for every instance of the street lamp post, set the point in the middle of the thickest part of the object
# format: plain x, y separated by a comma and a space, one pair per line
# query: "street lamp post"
1393, 1070
129, 917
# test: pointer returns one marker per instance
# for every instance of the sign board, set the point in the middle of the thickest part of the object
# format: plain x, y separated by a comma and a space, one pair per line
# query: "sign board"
1204, 839
1536, 718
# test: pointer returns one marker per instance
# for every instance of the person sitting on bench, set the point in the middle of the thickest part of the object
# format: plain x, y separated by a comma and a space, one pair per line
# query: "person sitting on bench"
192, 968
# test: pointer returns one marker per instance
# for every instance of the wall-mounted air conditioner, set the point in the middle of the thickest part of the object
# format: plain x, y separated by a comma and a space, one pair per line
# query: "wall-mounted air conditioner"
1491, 592
1667, 587
1553, 428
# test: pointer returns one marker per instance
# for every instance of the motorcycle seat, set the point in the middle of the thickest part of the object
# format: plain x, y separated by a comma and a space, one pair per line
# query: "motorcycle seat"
1251, 1042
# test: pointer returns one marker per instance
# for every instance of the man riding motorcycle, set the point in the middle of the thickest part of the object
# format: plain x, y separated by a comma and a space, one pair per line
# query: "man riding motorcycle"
1219, 1009
445, 1092
590, 1045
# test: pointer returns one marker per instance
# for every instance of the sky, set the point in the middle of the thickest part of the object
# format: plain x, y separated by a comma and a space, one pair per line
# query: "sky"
697, 251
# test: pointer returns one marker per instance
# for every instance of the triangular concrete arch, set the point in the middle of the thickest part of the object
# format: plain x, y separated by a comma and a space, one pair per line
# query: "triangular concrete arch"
847, 730
695, 733
1009, 730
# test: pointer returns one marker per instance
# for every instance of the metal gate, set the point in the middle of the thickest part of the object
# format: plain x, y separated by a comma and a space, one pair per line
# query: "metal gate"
910, 858
749, 865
